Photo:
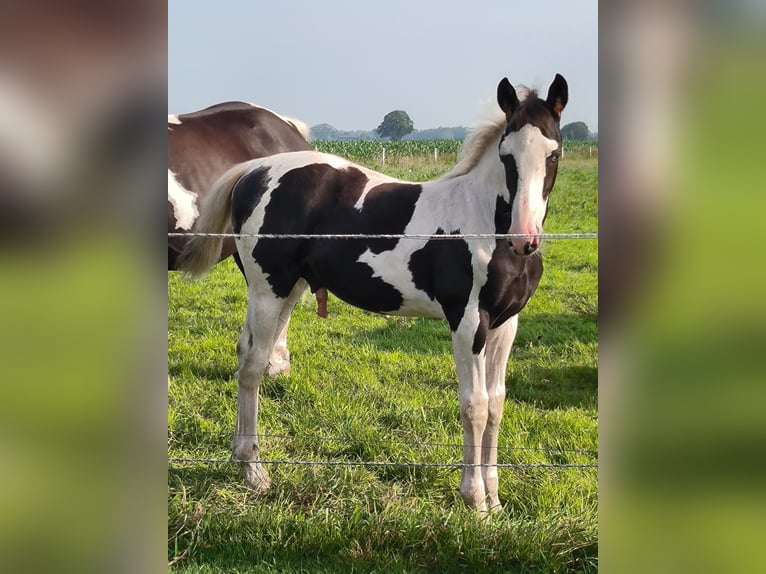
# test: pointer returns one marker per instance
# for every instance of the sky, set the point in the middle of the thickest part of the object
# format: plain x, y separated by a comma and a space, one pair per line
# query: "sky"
348, 63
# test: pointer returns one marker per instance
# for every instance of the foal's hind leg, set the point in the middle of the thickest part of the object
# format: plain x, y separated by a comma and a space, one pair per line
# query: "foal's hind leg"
279, 362
253, 350
499, 343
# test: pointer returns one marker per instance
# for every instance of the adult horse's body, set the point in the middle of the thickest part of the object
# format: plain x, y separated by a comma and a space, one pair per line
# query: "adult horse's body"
477, 285
202, 145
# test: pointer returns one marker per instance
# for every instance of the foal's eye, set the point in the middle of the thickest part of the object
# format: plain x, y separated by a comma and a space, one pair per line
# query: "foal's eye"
554, 157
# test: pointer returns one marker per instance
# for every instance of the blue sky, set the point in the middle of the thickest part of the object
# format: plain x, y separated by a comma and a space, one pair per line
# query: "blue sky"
349, 63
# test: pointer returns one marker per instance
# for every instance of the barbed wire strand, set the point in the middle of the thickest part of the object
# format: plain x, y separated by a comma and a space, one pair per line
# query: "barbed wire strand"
421, 236
191, 460
384, 441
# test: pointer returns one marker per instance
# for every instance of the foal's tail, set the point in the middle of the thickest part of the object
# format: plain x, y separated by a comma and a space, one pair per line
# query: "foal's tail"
201, 253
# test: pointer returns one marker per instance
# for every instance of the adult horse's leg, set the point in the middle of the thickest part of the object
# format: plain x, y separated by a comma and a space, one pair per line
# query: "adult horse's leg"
253, 350
473, 408
499, 343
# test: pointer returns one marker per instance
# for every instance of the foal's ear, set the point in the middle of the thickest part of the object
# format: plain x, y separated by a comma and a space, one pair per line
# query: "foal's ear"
506, 97
558, 94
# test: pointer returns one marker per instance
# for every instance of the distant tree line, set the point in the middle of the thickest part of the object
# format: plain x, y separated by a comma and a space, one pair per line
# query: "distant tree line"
328, 132
397, 125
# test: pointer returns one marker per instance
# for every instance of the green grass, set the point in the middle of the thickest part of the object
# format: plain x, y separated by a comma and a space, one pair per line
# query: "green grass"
375, 388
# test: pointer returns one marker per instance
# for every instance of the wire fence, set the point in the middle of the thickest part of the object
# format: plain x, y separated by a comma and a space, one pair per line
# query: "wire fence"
421, 236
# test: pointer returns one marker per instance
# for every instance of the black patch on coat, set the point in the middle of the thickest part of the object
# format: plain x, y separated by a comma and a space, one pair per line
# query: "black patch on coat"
246, 194
394, 204
480, 338
511, 281
442, 269
502, 215
319, 199
511, 184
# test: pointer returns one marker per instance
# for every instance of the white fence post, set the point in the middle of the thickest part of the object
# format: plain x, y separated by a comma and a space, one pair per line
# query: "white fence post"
383, 157
436, 155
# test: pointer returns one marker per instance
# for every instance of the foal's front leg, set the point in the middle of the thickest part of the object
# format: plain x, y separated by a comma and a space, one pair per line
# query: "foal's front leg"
473, 411
499, 343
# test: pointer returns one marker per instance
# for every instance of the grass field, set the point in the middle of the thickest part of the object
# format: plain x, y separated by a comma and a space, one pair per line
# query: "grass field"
367, 387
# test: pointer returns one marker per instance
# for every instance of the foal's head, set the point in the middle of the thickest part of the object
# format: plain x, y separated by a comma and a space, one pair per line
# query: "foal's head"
530, 149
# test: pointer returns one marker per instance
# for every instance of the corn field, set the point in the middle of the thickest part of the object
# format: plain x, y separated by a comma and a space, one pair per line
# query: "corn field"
372, 151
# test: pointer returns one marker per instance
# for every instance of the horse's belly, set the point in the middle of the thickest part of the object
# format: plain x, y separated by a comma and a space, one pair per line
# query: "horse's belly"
356, 285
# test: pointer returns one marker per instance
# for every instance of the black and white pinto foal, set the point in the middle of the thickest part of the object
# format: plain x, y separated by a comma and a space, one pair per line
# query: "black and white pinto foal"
501, 184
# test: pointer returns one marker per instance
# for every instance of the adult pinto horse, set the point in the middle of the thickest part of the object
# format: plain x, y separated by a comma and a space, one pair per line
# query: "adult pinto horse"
201, 147
500, 185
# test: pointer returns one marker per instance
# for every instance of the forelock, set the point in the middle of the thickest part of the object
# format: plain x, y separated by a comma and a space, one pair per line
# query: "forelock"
537, 112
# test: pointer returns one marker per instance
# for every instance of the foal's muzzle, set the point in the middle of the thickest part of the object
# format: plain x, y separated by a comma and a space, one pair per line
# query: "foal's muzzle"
530, 246
525, 245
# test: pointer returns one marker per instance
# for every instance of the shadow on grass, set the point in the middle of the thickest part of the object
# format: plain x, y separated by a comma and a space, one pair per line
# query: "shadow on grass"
432, 336
556, 329
554, 388
211, 371
414, 335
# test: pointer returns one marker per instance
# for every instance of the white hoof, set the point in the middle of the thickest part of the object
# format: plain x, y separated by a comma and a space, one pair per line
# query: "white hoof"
256, 477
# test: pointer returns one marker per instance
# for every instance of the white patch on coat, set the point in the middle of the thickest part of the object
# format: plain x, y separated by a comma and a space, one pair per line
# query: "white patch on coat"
184, 203
530, 148
173, 119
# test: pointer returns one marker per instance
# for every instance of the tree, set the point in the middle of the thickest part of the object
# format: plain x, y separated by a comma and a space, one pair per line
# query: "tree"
577, 131
395, 125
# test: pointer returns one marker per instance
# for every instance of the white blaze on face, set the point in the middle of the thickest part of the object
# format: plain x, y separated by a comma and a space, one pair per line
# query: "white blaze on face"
529, 148
184, 203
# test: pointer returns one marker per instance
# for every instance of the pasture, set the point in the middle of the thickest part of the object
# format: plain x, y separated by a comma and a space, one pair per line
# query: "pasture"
367, 387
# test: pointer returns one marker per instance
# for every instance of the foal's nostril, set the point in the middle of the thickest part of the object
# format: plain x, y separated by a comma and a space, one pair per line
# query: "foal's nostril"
529, 247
